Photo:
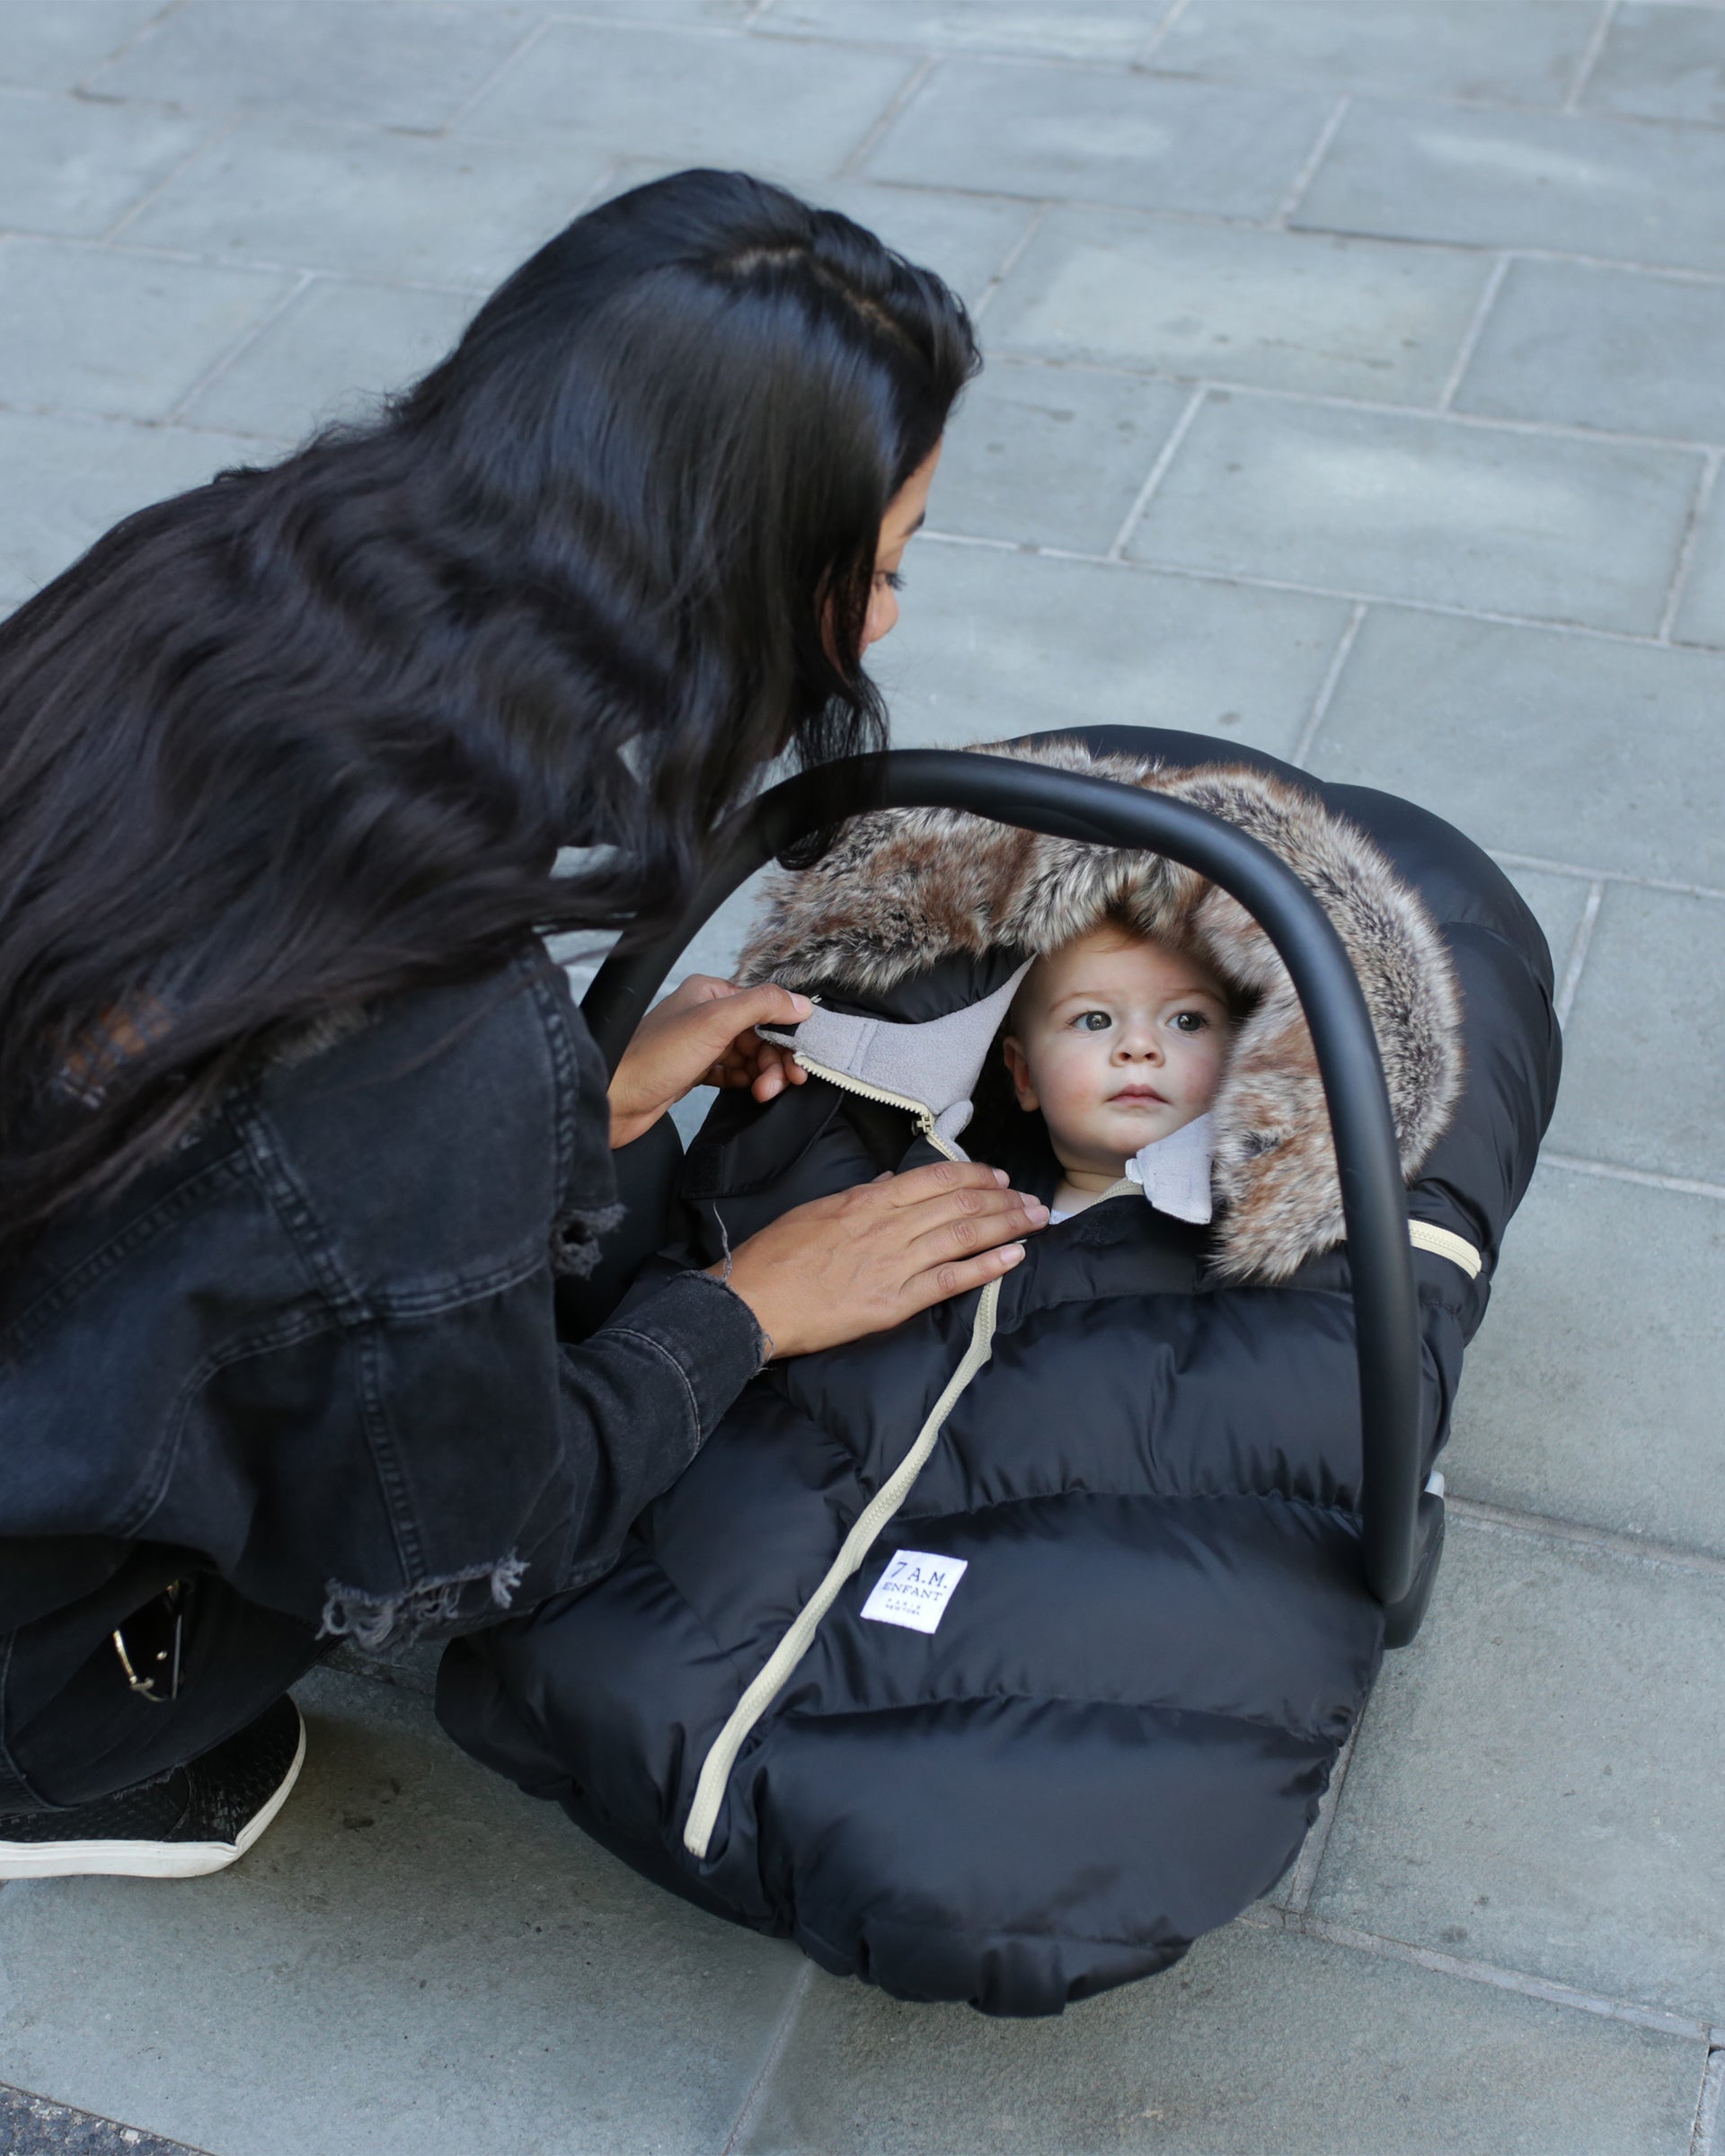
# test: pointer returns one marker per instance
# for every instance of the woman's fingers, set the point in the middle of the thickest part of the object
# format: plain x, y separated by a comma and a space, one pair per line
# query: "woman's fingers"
954, 1228
940, 1179
957, 1277
705, 1025
953, 1208
855, 1263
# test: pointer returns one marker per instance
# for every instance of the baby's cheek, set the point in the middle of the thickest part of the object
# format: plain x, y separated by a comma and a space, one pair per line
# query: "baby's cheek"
1069, 1083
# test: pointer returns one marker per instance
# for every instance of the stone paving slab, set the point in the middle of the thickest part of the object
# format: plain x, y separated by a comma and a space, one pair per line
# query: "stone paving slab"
1401, 506
1700, 618
1661, 63
1053, 455
394, 66
1087, 30
331, 354
1533, 1784
1559, 905
1592, 1391
1588, 187
425, 209
1257, 2041
55, 48
128, 334
1102, 137
74, 170
1586, 751
770, 105
417, 1959
1235, 304
1582, 347
994, 644
1646, 1086
68, 479
1525, 54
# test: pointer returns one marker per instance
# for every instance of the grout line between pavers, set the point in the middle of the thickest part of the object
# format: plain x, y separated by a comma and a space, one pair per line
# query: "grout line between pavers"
1475, 330
1014, 256
238, 348
1310, 1860
1589, 60
1277, 219
150, 252
496, 75
1499, 1978
1711, 2105
1303, 747
1610, 1171
1505, 859
90, 414
211, 141
129, 44
1158, 37
1329, 400
758, 2089
1165, 456
1691, 545
851, 167
1243, 581
1564, 1000
1498, 1519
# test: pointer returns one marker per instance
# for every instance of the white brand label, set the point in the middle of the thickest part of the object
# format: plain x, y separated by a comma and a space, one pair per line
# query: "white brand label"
914, 1589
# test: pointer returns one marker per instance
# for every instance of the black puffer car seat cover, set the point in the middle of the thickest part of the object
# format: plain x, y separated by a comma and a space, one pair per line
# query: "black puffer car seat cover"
1136, 1464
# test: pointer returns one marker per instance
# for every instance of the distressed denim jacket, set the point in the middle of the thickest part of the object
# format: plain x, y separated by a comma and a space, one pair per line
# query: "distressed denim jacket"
316, 1357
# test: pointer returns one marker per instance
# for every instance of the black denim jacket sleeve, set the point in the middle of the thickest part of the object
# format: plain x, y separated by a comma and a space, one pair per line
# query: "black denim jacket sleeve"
318, 1351
510, 1462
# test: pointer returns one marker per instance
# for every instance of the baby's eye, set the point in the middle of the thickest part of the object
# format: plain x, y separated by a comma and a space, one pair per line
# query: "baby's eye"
1190, 1021
1092, 1022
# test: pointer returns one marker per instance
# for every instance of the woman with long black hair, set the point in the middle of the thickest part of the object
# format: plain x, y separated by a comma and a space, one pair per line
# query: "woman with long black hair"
298, 1122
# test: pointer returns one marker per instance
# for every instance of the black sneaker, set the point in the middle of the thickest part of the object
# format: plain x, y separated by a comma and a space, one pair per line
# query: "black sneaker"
179, 1825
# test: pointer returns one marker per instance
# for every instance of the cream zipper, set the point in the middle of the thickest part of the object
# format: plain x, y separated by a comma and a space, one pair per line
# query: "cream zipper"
923, 1114
776, 1671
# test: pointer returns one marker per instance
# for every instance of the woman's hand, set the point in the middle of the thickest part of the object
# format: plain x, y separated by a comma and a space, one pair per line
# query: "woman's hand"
703, 1034
842, 1266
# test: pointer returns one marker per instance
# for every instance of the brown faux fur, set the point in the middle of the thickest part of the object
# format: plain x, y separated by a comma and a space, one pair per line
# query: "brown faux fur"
903, 887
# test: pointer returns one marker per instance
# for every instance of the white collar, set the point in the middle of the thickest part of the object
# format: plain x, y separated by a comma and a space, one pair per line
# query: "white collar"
1176, 1171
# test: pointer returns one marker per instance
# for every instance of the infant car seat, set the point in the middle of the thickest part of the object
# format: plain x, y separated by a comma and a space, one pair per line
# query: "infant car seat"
999, 1656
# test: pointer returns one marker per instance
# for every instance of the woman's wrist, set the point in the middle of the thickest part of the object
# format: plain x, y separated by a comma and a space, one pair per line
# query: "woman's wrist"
721, 1273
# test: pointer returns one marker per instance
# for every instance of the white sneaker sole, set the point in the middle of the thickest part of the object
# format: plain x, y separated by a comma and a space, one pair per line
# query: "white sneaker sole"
145, 1859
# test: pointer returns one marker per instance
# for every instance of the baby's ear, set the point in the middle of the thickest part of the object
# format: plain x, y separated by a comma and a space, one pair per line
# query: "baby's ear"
1019, 1064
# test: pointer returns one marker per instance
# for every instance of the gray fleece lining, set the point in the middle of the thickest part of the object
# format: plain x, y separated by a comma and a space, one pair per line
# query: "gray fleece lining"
936, 1063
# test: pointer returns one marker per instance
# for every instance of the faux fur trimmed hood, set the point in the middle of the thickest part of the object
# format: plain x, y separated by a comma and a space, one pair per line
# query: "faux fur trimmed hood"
903, 889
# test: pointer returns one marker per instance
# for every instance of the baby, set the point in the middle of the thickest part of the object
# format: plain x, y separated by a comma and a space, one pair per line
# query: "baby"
1119, 1042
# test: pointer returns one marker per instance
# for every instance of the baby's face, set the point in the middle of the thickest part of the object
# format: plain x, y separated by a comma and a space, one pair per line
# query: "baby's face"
1117, 1042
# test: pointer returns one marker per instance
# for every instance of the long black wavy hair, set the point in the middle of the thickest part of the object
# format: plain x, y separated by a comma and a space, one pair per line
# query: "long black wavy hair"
316, 732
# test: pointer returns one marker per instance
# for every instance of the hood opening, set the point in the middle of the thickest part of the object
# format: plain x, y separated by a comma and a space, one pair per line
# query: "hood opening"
935, 913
